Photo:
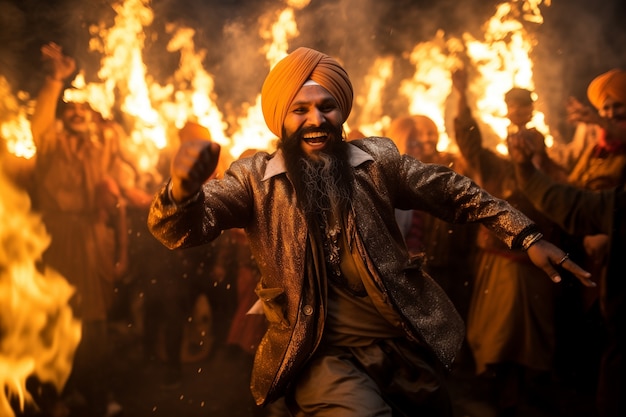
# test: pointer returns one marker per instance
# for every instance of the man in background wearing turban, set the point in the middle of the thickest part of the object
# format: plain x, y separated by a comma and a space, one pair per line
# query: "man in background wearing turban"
356, 328
600, 166
594, 212
597, 162
602, 163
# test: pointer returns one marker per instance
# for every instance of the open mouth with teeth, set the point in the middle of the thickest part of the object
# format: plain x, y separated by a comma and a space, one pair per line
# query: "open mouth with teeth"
316, 139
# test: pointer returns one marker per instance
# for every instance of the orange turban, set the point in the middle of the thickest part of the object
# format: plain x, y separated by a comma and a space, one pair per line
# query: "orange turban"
610, 84
287, 77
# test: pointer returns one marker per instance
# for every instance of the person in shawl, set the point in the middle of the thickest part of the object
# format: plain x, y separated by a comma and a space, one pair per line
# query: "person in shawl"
356, 327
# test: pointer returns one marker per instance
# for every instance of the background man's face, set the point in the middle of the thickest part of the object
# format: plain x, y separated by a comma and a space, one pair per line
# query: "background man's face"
613, 109
422, 142
76, 117
315, 115
519, 114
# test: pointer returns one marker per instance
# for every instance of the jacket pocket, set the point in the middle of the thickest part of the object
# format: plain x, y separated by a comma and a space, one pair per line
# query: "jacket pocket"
274, 305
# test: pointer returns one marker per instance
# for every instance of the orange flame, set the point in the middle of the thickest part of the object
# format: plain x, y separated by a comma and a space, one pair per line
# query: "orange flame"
252, 132
371, 122
14, 123
198, 102
39, 333
431, 85
503, 61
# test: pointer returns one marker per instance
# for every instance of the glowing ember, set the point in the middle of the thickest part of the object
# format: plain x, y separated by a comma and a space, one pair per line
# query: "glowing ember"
39, 334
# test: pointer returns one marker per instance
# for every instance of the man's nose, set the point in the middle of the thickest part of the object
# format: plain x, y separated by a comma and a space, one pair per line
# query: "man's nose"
316, 117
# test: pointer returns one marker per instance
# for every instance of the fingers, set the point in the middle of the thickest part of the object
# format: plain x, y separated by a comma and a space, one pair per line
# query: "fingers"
553, 274
566, 263
581, 113
563, 259
547, 256
61, 66
583, 276
519, 149
51, 51
194, 163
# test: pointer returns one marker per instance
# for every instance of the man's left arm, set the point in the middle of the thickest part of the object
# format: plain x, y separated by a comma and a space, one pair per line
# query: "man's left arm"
456, 198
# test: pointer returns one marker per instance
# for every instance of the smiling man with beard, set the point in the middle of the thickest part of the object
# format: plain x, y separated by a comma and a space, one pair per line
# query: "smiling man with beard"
356, 327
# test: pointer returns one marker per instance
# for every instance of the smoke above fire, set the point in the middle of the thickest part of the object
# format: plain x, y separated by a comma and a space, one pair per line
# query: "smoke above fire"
227, 47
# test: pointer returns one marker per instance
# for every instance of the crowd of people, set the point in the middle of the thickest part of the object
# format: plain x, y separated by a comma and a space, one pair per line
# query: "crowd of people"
350, 274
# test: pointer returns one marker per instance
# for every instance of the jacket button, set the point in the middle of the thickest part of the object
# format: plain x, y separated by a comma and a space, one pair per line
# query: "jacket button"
307, 310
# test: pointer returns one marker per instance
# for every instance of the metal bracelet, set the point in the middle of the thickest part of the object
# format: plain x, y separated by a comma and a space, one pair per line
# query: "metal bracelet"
531, 239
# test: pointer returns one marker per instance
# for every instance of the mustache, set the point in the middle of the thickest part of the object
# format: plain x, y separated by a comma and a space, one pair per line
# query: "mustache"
324, 127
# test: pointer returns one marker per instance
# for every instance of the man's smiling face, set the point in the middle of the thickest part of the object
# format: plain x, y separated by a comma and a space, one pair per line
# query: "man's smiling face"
315, 119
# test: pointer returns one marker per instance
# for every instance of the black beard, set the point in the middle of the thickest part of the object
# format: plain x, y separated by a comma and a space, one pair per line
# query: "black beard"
324, 185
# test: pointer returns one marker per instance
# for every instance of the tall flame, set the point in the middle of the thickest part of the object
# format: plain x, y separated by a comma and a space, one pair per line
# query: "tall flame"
431, 85
14, 123
370, 121
502, 61
499, 62
198, 102
252, 132
39, 334
125, 75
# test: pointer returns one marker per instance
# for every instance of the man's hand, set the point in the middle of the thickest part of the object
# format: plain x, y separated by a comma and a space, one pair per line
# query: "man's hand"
597, 247
61, 66
547, 257
579, 113
194, 163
